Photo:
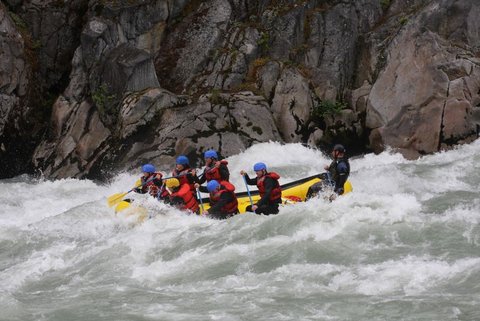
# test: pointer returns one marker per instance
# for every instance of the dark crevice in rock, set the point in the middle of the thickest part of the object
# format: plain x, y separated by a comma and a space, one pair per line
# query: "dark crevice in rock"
441, 139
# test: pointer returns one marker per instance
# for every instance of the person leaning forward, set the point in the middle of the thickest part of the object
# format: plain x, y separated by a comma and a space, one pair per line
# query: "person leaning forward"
181, 196
223, 201
150, 182
268, 187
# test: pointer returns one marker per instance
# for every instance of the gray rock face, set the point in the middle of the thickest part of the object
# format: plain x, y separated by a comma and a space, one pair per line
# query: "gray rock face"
79, 138
228, 68
227, 123
230, 126
149, 80
17, 133
188, 47
291, 104
424, 98
7, 104
54, 27
333, 44
128, 69
13, 67
267, 78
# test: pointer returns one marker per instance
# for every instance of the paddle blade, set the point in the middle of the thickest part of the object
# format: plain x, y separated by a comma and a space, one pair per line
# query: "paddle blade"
115, 198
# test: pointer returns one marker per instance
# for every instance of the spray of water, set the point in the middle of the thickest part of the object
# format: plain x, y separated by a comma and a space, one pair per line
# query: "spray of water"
403, 246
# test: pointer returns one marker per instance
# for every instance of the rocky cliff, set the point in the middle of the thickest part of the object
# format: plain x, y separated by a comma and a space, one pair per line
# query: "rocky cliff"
90, 87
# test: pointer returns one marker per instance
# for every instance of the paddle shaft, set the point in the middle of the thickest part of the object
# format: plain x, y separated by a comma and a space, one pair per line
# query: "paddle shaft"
201, 201
115, 198
248, 190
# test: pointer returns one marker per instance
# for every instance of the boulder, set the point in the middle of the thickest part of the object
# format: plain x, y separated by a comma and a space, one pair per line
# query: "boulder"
424, 97
291, 105
227, 124
81, 138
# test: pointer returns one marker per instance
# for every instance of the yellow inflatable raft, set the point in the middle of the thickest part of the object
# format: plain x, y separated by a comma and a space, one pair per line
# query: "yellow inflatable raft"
292, 192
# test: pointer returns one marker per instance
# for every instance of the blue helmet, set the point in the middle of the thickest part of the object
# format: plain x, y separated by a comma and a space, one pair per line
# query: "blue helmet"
211, 154
148, 168
183, 160
212, 185
259, 167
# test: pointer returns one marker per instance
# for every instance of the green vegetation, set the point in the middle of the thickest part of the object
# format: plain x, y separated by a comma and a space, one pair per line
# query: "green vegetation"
216, 98
102, 98
264, 41
324, 108
36, 44
19, 22
403, 20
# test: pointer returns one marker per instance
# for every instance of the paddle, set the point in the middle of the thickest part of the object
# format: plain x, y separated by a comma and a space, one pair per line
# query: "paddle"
160, 190
201, 201
117, 197
248, 190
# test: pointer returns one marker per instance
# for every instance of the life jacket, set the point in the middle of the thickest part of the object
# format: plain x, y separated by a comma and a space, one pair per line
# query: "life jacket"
182, 177
226, 187
150, 187
189, 200
276, 194
214, 172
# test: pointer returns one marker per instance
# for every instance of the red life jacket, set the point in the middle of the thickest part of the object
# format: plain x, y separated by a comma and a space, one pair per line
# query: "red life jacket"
214, 172
229, 208
189, 200
276, 191
150, 187
183, 178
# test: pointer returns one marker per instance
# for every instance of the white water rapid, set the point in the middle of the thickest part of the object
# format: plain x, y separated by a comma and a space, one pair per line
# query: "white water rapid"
405, 245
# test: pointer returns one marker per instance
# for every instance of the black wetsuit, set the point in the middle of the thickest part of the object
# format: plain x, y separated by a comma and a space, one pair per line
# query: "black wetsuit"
337, 175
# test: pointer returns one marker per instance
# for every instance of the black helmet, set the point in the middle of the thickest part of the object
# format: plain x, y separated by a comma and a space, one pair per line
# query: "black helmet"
339, 148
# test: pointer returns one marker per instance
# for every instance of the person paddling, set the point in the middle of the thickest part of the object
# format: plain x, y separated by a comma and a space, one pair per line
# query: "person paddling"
184, 173
269, 188
181, 196
223, 201
214, 169
336, 175
150, 182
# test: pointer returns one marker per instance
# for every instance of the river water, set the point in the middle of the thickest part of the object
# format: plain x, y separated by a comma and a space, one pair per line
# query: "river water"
405, 245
